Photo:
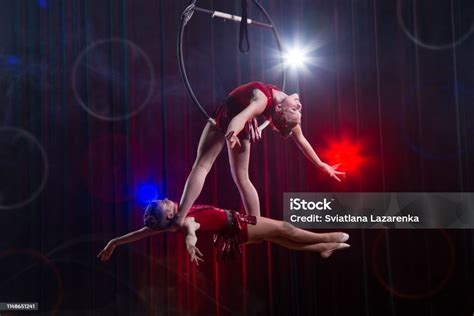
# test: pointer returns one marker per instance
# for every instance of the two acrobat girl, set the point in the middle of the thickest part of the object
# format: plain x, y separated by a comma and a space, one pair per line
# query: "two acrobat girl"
235, 123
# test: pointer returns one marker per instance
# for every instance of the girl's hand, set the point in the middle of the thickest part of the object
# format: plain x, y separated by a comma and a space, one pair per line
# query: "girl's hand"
232, 139
253, 130
195, 254
105, 254
332, 171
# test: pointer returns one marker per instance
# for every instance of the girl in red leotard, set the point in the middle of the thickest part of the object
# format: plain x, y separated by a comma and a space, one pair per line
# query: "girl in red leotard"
230, 230
235, 122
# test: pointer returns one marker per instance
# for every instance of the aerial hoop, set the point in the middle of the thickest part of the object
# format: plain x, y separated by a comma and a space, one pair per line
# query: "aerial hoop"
186, 17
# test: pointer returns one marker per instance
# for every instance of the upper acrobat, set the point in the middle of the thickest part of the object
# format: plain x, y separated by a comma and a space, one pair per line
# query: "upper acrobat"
235, 122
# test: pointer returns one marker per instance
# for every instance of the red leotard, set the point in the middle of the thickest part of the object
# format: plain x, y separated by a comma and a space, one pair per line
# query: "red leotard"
229, 227
212, 219
238, 99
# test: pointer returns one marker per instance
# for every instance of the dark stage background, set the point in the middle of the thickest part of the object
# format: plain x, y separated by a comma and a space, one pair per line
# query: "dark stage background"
95, 119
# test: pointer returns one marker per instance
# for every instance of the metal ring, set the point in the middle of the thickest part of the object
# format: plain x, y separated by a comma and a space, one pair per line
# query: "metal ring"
185, 17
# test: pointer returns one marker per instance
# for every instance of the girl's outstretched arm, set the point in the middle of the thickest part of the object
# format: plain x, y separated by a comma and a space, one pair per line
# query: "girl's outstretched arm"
309, 152
144, 232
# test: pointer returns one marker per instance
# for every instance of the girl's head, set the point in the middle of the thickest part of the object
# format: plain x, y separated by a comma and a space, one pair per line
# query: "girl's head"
287, 114
159, 214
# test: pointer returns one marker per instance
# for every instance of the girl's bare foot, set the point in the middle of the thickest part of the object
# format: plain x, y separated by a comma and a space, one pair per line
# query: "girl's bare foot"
326, 254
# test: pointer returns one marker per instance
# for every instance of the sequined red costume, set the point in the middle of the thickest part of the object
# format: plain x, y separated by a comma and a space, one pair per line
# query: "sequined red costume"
229, 227
238, 99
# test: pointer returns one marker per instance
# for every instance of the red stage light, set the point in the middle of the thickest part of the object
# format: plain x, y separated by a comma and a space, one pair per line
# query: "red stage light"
345, 152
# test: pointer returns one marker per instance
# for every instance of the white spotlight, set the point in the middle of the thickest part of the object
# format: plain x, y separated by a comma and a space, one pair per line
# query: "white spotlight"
295, 58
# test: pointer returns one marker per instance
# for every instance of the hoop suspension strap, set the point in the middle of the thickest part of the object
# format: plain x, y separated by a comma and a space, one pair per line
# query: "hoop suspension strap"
243, 33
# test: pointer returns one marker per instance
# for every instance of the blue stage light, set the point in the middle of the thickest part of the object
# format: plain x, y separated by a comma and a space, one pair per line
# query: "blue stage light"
42, 3
148, 192
13, 60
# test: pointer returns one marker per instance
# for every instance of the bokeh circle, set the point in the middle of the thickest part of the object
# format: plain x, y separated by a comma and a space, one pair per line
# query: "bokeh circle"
424, 44
13, 148
112, 74
47, 262
420, 294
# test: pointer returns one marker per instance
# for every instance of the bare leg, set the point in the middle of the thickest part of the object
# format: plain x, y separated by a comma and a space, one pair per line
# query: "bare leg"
210, 145
268, 228
324, 248
239, 157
